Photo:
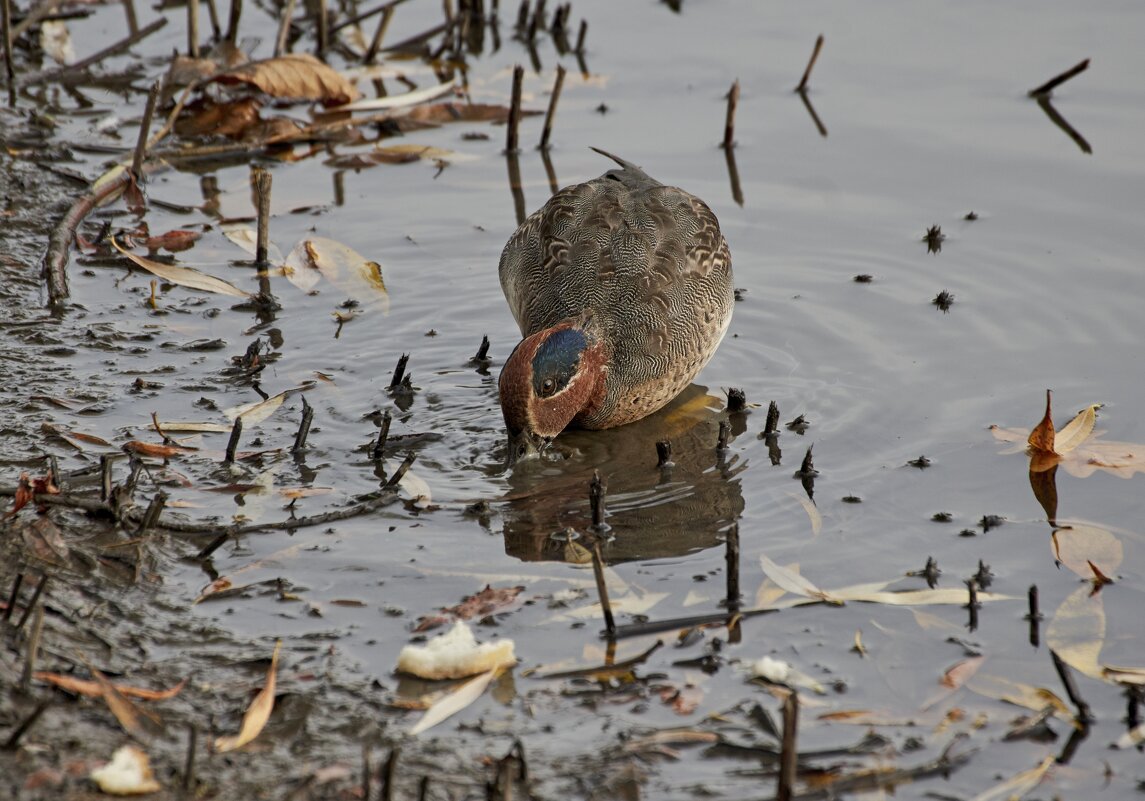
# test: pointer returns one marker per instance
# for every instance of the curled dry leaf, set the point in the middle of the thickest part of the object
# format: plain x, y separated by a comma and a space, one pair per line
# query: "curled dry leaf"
294, 76
489, 601
339, 264
156, 450
94, 689
257, 714
396, 101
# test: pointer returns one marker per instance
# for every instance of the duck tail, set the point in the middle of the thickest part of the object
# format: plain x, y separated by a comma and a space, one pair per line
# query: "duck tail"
628, 165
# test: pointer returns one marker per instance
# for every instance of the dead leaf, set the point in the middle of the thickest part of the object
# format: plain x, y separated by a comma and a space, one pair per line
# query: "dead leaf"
1078, 545
683, 700
793, 582
230, 119
56, 42
1124, 675
43, 539
93, 689
1041, 439
1077, 632
455, 701
342, 266
156, 450
183, 276
443, 113
396, 101
247, 238
257, 713
1017, 786
487, 602
172, 241
295, 76
1018, 694
143, 726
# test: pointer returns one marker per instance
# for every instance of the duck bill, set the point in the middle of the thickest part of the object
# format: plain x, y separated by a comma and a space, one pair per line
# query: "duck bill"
525, 445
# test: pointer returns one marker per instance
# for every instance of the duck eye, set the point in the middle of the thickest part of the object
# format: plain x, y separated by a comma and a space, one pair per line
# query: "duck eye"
547, 387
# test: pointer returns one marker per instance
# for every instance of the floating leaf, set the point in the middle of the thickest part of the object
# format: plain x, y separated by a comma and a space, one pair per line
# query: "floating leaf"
342, 266
156, 450
1018, 694
1124, 675
1076, 431
186, 427
1077, 632
139, 724
1017, 786
397, 101
1078, 545
455, 701
297, 76
257, 713
812, 511
247, 238
1041, 439
258, 411
56, 42
183, 276
793, 582
128, 773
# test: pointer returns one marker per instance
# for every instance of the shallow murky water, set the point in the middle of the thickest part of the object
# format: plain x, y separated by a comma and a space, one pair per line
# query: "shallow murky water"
925, 119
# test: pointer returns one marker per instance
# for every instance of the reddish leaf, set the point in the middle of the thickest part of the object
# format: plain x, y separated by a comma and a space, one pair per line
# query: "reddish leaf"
1041, 439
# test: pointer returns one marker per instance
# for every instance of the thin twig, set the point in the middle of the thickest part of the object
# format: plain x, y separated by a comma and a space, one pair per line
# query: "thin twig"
111, 50
552, 112
1057, 81
804, 81
730, 122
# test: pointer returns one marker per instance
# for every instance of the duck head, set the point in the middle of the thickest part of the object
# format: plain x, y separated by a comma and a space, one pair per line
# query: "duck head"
551, 377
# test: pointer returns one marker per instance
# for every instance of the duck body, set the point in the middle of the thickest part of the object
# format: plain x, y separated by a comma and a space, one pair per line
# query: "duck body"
622, 289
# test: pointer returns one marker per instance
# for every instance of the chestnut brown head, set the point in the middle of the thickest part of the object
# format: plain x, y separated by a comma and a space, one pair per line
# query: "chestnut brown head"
550, 378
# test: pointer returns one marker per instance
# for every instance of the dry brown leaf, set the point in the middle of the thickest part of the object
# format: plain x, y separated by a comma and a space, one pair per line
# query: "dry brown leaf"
172, 241
139, 724
1041, 439
93, 689
296, 76
156, 450
257, 714
44, 539
183, 276
231, 119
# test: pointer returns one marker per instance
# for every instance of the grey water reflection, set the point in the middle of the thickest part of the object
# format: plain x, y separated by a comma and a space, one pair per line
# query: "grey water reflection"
652, 512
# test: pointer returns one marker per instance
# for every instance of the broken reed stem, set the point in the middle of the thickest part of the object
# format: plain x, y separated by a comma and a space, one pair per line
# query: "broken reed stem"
482, 354
399, 474
213, 16
1055, 82
144, 131
262, 185
154, 509
104, 477
725, 433
367, 772
803, 83
1032, 598
789, 753
322, 25
731, 558
233, 442
193, 28
399, 372
596, 490
730, 122
514, 111
737, 400
303, 427
284, 28
1083, 713
189, 761
129, 12
771, 426
14, 738
664, 454
15, 593
423, 789
9, 69
34, 600
33, 649
387, 774
579, 49
233, 21
380, 446
552, 112
379, 35
602, 590
972, 604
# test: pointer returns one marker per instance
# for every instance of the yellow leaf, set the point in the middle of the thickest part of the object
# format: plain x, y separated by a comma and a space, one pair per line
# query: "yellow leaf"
1077, 631
257, 713
455, 701
1077, 430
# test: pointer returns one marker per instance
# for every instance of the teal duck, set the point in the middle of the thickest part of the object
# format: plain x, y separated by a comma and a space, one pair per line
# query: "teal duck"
622, 288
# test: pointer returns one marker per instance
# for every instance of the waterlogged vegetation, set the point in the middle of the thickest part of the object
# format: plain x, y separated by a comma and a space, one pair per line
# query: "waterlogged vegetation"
245, 555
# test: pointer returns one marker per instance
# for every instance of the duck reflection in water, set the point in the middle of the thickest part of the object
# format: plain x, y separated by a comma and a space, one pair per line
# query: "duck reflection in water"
652, 512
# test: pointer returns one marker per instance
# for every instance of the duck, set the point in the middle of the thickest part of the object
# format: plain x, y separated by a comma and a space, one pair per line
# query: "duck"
622, 289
